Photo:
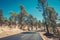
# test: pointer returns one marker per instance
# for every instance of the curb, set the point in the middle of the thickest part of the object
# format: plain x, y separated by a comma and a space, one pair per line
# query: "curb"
42, 36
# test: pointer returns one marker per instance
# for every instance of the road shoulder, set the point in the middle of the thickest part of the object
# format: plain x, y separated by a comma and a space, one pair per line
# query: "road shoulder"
44, 37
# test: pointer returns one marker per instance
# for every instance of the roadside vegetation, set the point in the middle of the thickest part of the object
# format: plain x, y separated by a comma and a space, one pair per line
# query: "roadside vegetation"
50, 16
25, 21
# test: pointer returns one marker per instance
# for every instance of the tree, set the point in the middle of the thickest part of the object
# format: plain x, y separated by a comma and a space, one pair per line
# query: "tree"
22, 15
39, 24
52, 17
5, 20
36, 23
44, 5
13, 18
30, 21
10, 22
1, 17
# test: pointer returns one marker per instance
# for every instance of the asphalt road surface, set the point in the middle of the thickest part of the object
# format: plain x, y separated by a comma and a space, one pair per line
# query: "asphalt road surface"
24, 36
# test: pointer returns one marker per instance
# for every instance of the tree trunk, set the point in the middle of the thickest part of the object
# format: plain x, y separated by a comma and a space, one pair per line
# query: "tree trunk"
47, 29
54, 30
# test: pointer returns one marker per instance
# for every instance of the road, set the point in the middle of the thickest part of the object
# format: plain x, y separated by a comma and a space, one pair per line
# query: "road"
24, 36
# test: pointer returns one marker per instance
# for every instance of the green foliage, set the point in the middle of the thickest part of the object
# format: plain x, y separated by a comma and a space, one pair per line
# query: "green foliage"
49, 14
22, 18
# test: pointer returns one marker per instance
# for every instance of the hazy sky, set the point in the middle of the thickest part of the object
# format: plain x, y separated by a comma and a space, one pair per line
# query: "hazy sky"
30, 6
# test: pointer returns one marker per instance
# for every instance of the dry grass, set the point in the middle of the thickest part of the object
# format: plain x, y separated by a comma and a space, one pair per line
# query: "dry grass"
6, 31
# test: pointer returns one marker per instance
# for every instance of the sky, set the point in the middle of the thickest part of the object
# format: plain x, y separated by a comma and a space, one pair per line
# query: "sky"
30, 6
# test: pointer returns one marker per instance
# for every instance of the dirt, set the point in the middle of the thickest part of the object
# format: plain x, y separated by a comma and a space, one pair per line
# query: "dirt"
6, 31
